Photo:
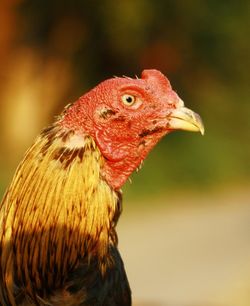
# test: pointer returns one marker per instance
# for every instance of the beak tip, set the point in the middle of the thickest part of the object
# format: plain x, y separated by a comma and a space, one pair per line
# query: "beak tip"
201, 128
198, 122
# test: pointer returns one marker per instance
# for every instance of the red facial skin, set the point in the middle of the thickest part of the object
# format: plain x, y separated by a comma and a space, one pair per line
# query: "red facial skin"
124, 133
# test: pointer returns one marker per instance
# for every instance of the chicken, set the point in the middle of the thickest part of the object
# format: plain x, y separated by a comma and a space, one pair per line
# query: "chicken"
58, 243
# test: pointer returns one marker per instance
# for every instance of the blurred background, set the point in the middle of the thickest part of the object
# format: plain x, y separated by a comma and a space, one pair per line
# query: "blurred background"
185, 229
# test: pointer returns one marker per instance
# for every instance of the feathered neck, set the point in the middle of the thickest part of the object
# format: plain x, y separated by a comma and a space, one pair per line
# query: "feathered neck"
56, 211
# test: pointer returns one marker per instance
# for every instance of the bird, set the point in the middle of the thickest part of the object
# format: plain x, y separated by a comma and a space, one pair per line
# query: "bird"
58, 217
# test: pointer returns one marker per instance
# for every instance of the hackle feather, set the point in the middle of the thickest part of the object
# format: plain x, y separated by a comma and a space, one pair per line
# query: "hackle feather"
45, 231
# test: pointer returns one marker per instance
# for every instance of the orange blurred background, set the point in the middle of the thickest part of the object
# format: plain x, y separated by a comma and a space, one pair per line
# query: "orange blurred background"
51, 52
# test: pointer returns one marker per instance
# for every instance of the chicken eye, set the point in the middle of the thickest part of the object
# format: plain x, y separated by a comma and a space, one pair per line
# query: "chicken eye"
128, 99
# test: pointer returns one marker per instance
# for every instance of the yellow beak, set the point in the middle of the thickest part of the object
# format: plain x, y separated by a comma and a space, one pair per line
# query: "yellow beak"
183, 118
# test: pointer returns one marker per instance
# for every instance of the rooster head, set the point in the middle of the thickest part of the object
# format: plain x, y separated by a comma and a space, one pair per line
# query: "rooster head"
126, 118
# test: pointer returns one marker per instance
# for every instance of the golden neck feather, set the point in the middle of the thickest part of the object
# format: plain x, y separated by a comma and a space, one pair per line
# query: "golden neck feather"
57, 209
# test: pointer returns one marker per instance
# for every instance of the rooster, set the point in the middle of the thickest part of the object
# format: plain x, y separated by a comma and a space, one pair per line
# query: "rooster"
58, 242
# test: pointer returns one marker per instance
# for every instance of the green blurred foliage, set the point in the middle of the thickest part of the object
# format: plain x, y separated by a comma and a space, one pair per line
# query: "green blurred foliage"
201, 45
